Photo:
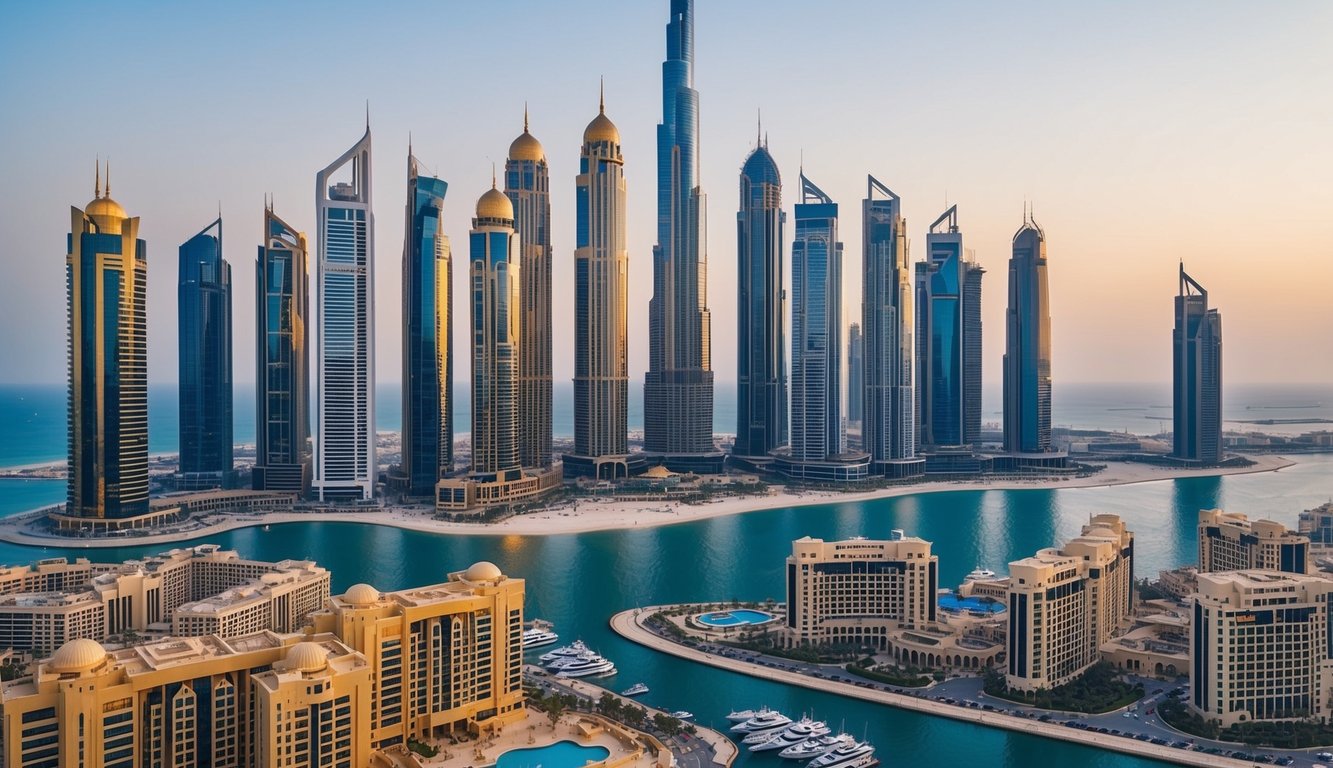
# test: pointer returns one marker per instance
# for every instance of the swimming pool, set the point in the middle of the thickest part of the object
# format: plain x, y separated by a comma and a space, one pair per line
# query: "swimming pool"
562, 754
741, 617
952, 602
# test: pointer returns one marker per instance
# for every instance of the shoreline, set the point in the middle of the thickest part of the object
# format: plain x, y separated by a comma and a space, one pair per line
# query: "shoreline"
591, 515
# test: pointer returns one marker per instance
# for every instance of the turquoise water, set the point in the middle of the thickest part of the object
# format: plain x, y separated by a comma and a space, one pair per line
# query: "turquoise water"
735, 618
578, 580
952, 602
562, 754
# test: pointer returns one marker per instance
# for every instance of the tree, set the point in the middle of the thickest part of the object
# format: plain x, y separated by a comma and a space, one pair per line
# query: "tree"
555, 709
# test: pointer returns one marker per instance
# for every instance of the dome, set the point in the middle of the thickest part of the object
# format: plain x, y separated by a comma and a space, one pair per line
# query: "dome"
361, 594
759, 168
78, 656
495, 205
307, 657
526, 147
601, 129
107, 213
482, 571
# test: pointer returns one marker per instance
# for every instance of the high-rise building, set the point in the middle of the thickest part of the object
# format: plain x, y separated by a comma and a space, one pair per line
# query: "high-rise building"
1196, 411
888, 422
106, 282
282, 359
493, 280
345, 463
1317, 525
1229, 541
204, 333
761, 309
678, 388
601, 320
855, 374
428, 361
1027, 356
528, 185
948, 339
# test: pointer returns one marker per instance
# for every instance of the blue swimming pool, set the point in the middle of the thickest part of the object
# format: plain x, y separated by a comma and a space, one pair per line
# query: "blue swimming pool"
562, 754
741, 617
952, 602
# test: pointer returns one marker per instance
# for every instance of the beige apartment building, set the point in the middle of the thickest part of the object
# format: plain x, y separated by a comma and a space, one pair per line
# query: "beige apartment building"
1229, 541
1064, 603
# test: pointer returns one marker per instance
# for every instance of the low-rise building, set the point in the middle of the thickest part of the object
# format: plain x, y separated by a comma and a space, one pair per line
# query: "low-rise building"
1317, 525
1229, 541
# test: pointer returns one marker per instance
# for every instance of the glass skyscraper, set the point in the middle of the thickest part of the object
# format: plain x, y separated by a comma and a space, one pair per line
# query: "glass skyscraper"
428, 426
493, 279
1027, 356
855, 373
1197, 375
816, 329
527, 183
761, 309
204, 328
601, 285
106, 281
888, 428
345, 465
282, 364
678, 388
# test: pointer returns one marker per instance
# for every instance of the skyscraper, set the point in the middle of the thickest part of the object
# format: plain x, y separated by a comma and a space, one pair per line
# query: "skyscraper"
948, 338
204, 328
678, 388
527, 183
428, 426
601, 285
282, 365
494, 280
888, 425
1027, 356
855, 373
106, 281
761, 309
345, 465
1197, 375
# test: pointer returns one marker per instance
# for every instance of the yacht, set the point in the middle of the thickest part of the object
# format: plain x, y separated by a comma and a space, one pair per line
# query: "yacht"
763, 720
564, 652
761, 734
681, 714
637, 689
979, 573
782, 738
741, 715
585, 667
569, 661
537, 635
812, 748
852, 754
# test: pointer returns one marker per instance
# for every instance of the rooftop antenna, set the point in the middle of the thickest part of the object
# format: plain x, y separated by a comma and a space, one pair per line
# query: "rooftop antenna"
367, 114
409, 143
601, 94
108, 177
97, 178
525, 117
759, 127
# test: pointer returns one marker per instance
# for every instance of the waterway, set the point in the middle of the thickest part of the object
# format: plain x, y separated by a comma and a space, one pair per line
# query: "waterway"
579, 580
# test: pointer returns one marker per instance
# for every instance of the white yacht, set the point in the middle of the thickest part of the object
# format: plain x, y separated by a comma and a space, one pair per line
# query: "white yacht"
565, 661
638, 689
812, 748
681, 714
852, 754
741, 715
763, 720
763, 733
979, 573
537, 635
794, 734
585, 667
564, 651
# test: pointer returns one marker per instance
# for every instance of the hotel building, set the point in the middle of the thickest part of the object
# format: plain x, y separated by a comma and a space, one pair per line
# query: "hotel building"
203, 295
1196, 408
1317, 524
1229, 541
1259, 647
1064, 603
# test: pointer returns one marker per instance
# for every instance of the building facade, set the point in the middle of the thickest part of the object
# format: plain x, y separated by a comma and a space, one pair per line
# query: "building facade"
1229, 541
106, 283
1317, 525
528, 185
1065, 603
1027, 355
678, 388
761, 322
855, 374
493, 284
888, 368
1196, 408
816, 329
428, 361
601, 319
204, 339
345, 462
282, 360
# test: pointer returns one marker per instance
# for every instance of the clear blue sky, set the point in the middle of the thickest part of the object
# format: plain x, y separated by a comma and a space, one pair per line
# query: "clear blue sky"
1145, 133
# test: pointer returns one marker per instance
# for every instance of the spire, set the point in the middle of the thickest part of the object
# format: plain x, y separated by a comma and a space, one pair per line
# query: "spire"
492, 174
601, 95
409, 143
108, 177
759, 127
97, 178
367, 115
525, 117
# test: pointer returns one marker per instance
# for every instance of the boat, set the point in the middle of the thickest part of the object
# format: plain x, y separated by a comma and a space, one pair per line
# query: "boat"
741, 715
635, 690
979, 573
681, 714
564, 651
763, 720
852, 754
812, 748
596, 665
793, 734
536, 636
761, 734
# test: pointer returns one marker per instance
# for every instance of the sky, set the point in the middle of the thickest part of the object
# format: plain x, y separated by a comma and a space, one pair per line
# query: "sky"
1143, 134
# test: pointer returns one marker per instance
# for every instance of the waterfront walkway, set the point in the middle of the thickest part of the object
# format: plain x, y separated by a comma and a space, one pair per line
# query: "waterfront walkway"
630, 625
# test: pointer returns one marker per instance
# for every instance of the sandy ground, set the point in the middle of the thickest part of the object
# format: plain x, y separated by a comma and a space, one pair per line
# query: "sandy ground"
594, 515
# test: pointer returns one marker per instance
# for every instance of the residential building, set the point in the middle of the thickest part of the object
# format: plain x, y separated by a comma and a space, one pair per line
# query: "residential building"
1317, 524
855, 374
1196, 407
1027, 356
1229, 541
204, 335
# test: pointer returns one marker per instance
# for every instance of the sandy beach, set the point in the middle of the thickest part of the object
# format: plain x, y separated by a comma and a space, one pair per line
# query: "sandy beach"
588, 515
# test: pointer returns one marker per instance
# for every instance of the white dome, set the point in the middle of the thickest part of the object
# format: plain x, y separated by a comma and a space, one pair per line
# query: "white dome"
483, 571
307, 657
78, 656
361, 595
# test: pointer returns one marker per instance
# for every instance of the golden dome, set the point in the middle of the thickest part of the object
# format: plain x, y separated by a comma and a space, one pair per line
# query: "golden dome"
107, 214
483, 571
495, 205
526, 147
307, 657
601, 129
78, 656
361, 595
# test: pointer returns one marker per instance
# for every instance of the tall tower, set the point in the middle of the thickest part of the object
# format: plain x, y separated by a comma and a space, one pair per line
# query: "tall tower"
761, 321
888, 428
1197, 375
1027, 356
527, 183
601, 285
816, 328
678, 388
106, 281
204, 322
855, 373
428, 425
493, 272
282, 365
345, 465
